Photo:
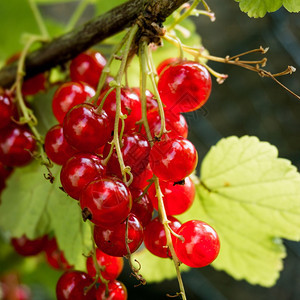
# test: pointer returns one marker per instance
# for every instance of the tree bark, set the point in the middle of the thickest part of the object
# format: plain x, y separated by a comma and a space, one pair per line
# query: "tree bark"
69, 45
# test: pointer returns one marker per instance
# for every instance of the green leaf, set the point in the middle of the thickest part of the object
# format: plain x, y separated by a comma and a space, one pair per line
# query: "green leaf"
258, 8
252, 198
154, 268
292, 5
33, 206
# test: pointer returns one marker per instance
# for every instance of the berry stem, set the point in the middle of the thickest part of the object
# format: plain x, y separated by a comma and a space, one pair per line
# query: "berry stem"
77, 14
143, 48
164, 220
156, 93
135, 271
184, 15
28, 116
96, 264
39, 19
124, 170
106, 69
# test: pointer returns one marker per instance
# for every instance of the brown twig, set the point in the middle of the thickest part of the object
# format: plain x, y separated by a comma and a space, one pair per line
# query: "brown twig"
62, 49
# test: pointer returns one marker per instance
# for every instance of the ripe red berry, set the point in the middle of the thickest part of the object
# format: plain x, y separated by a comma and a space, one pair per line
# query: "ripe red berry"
54, 256
56, 146
111, 240
116, 291
85, 129
173, 159
141, 181
176, 124
110, 266
27, 247
87, 67
79, 171
151, 101
106, 201
184, 86
155, 237
135, 151
16, 145
166, 63
201, 244
130, 105
72, 285
177, 198
141, 206
33, 85
7, 110
67, 96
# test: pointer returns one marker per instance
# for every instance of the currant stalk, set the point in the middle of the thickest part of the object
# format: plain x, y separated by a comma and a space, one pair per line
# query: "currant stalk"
77, 14
28, 116
143, 83
39, 19
106, 69
97, 267
151, 73
124, 170
164, 220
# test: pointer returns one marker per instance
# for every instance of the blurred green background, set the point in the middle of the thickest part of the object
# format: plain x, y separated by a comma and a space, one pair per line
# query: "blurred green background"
244, 104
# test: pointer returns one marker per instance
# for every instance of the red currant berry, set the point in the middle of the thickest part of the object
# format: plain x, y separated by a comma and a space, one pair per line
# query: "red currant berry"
111, 240
87, 67
110, 266
116, 291
27, 247
54, 256
184, 86
130, 106
106, 201
135, 151
155, 236
5, 171
7, 110
151, 101
56, 146
141, 181
73, 285
79, 171
201, 244
34, 85
141, 206
16, 145
85, 129
67, 96
177, 198
166, 63
173, 159
175, 124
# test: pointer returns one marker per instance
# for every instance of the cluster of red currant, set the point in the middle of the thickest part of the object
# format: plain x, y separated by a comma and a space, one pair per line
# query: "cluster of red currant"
121, 211
11, 287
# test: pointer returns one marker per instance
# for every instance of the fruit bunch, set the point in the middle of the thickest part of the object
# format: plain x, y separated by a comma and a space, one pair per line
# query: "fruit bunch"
129, 188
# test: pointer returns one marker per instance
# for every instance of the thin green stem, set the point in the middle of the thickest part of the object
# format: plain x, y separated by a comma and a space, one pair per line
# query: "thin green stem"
164, 220
106, 69
38, 18
28, 116
96, 264
156, 94
103, 99
77, 14
124, 170
143, 48
184, 15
